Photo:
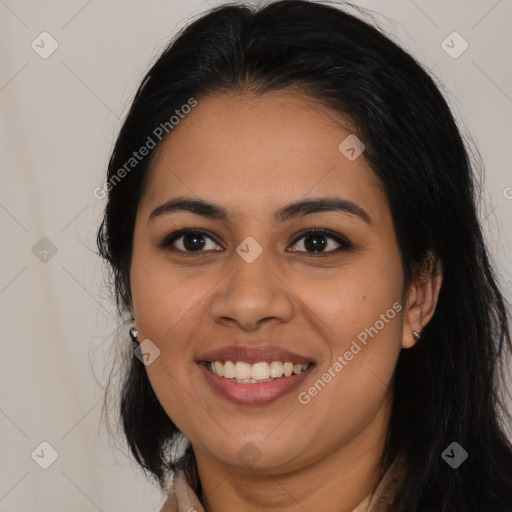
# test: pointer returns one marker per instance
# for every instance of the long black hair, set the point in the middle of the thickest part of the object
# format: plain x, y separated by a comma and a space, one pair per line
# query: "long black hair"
447, 387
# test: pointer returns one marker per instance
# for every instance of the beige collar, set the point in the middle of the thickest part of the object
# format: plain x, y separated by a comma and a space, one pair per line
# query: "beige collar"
182, 497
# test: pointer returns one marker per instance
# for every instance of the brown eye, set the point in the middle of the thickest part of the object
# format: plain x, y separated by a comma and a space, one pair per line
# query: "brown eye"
317, 241
189, 241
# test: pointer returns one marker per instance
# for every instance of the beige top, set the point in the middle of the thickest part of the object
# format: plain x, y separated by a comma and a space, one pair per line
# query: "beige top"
182, 497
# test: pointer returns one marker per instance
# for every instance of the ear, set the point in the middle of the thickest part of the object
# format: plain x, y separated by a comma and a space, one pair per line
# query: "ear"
421, 299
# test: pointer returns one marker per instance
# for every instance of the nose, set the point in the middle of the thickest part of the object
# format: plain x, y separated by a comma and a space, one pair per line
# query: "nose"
252, 294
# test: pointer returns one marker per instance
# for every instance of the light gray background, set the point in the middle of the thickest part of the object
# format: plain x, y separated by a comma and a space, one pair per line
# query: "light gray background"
59, 118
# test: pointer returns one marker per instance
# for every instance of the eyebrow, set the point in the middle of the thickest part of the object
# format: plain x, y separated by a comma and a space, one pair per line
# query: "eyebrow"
290, 211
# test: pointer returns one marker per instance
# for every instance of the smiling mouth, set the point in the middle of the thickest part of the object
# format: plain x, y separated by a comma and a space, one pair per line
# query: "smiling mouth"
246, 373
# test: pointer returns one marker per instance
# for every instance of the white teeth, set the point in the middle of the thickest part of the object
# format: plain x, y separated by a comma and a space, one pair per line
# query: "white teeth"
219, 369
276, 369
288, 369
242, 370
297, 368
258, 372
228, 370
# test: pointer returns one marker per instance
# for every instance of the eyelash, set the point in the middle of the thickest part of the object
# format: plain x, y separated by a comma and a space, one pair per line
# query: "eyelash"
345, 245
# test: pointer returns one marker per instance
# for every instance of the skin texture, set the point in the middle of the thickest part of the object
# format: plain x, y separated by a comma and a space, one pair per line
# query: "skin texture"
253, 155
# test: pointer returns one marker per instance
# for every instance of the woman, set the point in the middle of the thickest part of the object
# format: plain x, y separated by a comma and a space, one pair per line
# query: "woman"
291, 226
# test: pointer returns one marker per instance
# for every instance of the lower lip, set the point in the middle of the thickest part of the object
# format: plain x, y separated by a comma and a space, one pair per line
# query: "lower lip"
253, 394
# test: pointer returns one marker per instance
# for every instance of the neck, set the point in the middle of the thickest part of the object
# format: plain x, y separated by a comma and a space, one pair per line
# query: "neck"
336, 481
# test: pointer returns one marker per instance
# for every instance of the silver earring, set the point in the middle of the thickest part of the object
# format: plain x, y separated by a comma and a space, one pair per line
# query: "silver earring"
416, 334
134, 333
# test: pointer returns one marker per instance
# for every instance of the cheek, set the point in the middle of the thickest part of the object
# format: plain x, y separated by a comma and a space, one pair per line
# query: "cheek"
164, 307
162, 298
359, 312
350, 388
346, 301
168, 320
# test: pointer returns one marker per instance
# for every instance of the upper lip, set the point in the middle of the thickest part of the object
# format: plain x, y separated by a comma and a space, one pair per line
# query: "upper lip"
252, 354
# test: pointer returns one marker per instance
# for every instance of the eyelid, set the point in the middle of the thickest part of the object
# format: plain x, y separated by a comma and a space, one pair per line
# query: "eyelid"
175, 235
337, 237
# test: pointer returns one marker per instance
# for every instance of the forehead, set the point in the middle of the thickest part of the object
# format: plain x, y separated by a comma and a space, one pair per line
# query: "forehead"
237, 149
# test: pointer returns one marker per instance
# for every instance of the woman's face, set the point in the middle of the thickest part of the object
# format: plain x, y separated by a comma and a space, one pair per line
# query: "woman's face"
257, 288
